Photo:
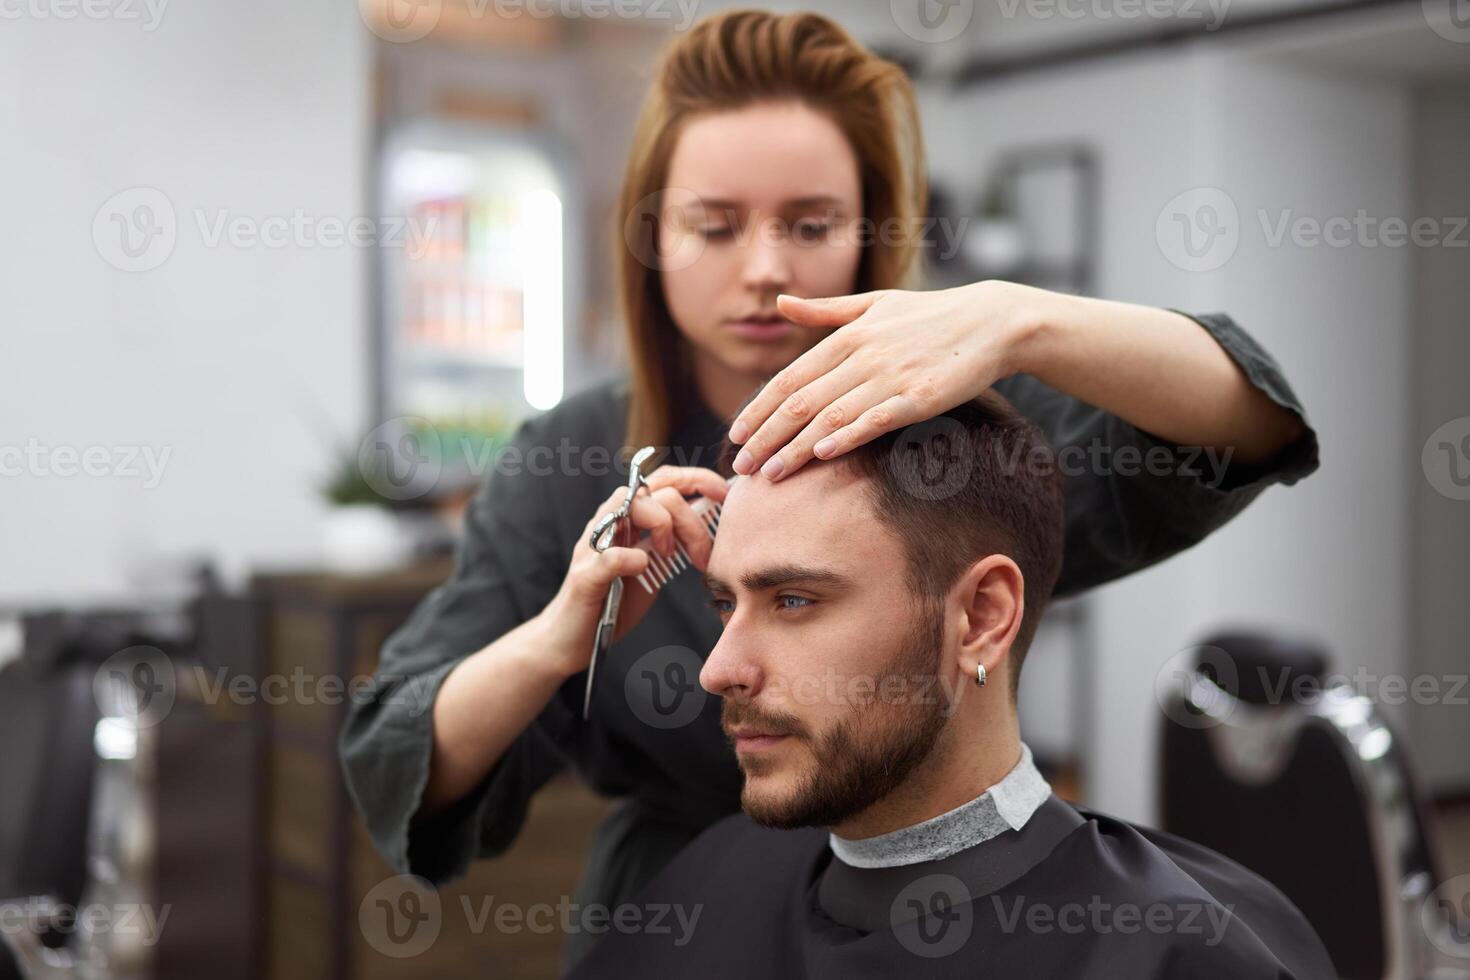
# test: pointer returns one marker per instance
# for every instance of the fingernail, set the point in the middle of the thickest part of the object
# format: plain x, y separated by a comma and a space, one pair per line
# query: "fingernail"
739, 432
827, 445
773, 468
744, 462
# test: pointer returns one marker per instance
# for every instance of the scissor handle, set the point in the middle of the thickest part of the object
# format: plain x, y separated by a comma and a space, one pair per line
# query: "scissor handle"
606, 530
605, 533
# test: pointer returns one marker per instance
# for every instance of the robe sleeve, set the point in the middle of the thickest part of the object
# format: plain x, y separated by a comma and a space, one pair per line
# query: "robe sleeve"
1133, 499
508, 566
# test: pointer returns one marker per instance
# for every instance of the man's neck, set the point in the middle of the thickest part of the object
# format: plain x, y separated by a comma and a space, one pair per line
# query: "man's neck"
1006, 806
951, 777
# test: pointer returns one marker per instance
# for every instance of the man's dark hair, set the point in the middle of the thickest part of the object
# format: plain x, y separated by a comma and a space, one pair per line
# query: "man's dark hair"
974, 481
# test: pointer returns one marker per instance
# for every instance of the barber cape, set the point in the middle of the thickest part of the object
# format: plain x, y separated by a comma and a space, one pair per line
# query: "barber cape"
1061, 892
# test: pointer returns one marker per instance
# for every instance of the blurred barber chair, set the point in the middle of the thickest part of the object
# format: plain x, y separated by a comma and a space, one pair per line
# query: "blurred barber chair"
75, 831
1306, 784
47, 717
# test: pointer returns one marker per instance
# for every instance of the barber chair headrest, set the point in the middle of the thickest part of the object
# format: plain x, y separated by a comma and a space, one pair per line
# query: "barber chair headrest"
1258, 667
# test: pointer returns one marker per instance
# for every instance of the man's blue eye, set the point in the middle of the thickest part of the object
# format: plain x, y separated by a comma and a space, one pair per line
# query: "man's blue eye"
723, 606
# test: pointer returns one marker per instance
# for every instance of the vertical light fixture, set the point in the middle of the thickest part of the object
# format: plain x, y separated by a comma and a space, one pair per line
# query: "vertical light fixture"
543, 314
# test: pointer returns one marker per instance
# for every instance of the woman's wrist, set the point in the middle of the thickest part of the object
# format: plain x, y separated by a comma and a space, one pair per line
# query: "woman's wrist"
1027, 319
548, 645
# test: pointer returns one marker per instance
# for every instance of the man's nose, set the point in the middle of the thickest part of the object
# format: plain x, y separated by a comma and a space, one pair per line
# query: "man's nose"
731, 669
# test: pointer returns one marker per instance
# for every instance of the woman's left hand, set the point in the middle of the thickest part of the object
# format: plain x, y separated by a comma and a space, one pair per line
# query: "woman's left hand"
897, 358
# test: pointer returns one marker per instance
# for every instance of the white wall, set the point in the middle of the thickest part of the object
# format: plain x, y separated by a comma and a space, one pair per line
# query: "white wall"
255, 109
1326, 556
1330, 556
1440, 614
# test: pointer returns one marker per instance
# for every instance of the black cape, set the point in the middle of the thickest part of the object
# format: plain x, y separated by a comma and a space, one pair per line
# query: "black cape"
1073, 894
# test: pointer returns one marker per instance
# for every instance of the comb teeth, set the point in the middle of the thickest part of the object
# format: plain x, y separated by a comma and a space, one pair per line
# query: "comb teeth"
661, 570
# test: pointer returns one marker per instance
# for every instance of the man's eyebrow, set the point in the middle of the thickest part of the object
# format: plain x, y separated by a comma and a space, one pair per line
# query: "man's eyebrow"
775, 576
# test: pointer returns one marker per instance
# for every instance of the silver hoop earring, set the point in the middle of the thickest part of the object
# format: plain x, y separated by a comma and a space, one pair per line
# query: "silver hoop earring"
979, 675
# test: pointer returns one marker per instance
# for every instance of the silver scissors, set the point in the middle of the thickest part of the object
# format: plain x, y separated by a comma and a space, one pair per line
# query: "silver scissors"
604, 535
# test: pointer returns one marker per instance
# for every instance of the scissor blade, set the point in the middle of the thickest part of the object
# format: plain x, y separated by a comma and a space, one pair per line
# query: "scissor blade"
605, 626
604, 638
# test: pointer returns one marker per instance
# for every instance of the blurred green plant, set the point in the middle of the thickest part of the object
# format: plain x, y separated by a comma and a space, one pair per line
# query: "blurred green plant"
460, 449
349, 485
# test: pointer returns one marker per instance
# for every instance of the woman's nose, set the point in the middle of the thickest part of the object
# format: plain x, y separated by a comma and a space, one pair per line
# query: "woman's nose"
766, 262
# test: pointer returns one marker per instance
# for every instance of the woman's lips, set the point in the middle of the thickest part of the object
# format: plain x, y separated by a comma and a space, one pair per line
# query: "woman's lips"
761, 329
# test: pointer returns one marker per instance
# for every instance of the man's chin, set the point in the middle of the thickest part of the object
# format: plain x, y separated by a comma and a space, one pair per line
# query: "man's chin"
774, 809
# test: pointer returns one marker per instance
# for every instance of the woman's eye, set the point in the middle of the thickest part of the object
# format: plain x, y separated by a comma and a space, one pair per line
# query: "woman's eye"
811, 232
717, 234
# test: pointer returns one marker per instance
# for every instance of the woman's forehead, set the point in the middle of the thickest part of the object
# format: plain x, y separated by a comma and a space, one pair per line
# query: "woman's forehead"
767, 156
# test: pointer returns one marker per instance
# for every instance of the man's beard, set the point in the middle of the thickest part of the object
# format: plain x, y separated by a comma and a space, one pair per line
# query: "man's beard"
865, 756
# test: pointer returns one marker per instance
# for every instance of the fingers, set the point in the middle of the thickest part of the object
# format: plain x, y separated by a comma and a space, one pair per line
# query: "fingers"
592, 572
672, 521
821, 404
689, 480
857, 417
787, 382
663, 511
871, 423
834, 311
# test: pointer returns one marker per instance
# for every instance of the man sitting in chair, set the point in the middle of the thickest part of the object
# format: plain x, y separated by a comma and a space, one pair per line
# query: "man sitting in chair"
877, 608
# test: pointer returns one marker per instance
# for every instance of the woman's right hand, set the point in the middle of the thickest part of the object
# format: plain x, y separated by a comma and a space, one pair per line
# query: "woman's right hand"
571, 617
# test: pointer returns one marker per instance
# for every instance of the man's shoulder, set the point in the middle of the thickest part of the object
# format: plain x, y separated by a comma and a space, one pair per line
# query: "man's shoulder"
1207, 907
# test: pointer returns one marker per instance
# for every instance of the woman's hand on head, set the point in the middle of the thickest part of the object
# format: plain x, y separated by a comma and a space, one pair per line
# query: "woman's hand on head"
896, 358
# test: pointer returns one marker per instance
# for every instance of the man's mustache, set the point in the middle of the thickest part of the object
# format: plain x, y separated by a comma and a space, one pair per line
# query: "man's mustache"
737, 715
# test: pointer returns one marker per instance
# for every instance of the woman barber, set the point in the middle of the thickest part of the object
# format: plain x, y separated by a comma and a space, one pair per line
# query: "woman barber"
765, 147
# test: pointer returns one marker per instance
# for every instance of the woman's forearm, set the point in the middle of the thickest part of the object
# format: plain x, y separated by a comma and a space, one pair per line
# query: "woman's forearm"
483, 706
1153, 368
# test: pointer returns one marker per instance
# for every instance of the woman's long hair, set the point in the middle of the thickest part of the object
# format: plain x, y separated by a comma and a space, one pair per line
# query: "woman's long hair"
730, 61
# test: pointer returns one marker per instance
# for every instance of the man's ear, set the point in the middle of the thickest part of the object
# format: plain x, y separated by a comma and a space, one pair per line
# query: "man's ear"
992, 597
